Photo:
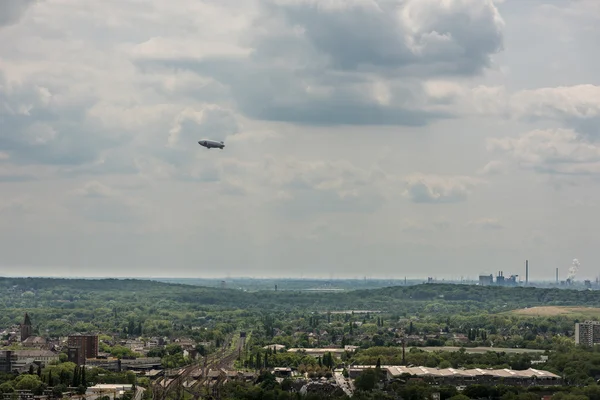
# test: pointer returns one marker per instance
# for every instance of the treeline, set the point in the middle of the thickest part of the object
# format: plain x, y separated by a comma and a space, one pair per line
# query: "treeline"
447, 298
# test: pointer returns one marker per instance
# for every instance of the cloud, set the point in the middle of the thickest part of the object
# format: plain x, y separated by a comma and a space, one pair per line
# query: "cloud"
576, 106
328, 63
558, 151
211, 121
11, 11
300, 187
40, 126
23, 173
17, 205
95, 189
494, 167
430, 189
486, 224
98, 202
428, 34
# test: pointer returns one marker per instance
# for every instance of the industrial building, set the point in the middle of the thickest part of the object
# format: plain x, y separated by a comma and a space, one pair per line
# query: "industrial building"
466, 376
118, 365
488, 280
587, 333
20, 360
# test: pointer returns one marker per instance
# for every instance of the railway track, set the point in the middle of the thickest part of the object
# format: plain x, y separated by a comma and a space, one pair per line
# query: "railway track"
224, 358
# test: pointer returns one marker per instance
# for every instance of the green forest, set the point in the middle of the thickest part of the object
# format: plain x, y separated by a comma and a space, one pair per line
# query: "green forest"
428, 319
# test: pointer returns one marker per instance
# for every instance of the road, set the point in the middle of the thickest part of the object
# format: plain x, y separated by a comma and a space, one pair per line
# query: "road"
139, 393
345, 384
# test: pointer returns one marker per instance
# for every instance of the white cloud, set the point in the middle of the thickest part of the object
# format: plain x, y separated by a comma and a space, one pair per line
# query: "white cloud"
439, 189
559, 103
492, 168
557, 151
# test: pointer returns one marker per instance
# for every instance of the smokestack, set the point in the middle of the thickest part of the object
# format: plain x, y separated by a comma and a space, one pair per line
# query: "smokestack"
557, 276
403, 351
526, 272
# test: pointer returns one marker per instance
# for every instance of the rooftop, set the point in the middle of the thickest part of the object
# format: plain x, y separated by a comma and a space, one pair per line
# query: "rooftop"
464, 373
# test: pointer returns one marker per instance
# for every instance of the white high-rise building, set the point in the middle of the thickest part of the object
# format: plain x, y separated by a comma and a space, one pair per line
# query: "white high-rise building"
587, 333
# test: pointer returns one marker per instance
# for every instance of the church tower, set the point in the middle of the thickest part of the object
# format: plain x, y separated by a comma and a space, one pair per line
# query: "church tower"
26, 328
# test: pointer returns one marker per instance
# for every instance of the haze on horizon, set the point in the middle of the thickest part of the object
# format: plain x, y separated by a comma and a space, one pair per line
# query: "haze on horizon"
377, 138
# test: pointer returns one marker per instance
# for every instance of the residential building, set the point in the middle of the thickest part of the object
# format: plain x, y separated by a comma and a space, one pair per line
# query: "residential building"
81, 347
587, 333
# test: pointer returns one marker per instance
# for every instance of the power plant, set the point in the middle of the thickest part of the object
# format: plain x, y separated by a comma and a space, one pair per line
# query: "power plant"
501, 280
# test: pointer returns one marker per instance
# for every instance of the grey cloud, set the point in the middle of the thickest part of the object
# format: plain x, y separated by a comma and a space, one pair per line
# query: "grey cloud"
117, 162
36, 129
456, 38
487, 224
94, 189
297, 188
268, 92
101, 203
15, 206
109, 211
316, 64
11, 11
304, 202
17, 178
430, 189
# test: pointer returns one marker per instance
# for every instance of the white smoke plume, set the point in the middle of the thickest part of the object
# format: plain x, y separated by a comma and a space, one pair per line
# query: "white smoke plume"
573, 269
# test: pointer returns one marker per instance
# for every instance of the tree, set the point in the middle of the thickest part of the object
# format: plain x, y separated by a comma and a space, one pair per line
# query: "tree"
76, 377
28, 382
83, 379
366, 380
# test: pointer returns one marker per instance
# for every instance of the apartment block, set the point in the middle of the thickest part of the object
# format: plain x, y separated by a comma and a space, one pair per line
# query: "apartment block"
587, 333
81, 347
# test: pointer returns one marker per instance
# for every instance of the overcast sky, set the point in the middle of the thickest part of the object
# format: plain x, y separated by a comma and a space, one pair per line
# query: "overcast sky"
381, 138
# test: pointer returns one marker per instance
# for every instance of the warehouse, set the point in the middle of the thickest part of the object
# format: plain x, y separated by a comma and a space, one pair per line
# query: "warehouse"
457, 376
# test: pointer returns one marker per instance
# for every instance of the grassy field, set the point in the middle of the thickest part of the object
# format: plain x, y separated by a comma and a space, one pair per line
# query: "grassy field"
549, 311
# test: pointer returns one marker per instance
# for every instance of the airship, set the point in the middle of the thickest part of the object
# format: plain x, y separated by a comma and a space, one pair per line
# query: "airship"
209, 144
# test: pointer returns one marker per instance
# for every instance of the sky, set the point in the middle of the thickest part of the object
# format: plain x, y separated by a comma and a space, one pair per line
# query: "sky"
377, 138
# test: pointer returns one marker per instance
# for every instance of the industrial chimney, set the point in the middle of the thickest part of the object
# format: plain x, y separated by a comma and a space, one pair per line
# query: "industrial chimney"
526, 272
557, 276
